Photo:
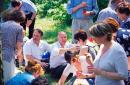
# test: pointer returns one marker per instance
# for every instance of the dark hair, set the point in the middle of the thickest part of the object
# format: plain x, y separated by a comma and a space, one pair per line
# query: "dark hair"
123, 8
40, 81
15, 3
69, 55
100, 30
17, 16
6, 15
39, 31
81, 34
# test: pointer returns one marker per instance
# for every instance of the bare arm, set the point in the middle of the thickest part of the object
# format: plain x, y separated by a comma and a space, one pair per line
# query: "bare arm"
29, 57
19, 51
62, 80
30, 20
83, 4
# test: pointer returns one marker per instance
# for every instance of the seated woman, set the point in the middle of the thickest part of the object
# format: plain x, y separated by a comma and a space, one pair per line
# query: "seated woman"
81, 37
76, 65
32, 70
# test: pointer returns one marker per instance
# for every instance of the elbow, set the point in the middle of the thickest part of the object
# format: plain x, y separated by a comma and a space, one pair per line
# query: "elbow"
124, 76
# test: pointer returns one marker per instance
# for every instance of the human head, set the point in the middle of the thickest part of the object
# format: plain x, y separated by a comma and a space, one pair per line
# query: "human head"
62, 37
81, 35
37, 35
101, 32
69, 56
34, 68
114, 2
123, 10
40, 81
17, 16
16, 4
113, 23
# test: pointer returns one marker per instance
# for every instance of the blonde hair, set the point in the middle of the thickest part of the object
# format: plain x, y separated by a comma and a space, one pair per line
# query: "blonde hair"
34, 67
113, 23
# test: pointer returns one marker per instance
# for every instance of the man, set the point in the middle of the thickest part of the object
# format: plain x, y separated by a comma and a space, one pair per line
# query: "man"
30, 11
109, 11
57, 60
11, 40
82, 12
34, 48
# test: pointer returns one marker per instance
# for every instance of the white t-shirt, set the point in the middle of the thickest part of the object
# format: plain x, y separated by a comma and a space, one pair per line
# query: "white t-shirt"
55, 58
70, 68
30, 48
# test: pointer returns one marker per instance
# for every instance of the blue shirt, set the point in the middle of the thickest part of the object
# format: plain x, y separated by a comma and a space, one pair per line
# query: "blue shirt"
125, 24
21, 79
28, 7
91, 6
123, 37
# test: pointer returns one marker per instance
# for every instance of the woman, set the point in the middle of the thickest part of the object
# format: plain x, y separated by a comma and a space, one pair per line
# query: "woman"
32, 71
81, 37
76, 65
11, 40
110, 65
123, 12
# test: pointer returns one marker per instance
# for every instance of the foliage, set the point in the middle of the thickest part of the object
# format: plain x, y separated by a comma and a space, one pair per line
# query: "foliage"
56, 9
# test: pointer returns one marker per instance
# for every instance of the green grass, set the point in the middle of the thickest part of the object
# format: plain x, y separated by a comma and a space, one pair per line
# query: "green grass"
51, 29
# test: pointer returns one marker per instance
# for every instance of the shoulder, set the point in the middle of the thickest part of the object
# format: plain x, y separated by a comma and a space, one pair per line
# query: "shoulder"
117, 48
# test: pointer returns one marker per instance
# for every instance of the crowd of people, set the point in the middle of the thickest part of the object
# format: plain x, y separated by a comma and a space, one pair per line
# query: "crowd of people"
99, 53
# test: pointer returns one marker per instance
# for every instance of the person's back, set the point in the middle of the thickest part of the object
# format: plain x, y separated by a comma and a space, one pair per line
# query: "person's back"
21, 79
10, 31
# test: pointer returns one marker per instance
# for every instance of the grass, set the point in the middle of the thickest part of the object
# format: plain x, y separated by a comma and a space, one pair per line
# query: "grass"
51, 29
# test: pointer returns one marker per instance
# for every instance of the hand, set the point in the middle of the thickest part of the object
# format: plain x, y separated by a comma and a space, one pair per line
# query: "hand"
20, 58
28, 23
87, 13
44, 64
96, 71
80, 74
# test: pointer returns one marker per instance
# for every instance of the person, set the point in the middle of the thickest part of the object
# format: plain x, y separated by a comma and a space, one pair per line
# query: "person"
40, 81
82, 12
30, 11
81, 37
6, 13
106, 70
77, 65
123, 11
109, 11
11, 40
114, 25
32, 71
57, 60
35, 47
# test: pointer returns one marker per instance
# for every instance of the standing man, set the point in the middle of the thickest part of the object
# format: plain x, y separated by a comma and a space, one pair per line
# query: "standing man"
30, 11
82, 12
109, 11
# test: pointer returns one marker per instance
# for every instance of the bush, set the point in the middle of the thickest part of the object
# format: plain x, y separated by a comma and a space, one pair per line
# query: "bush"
56, 9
